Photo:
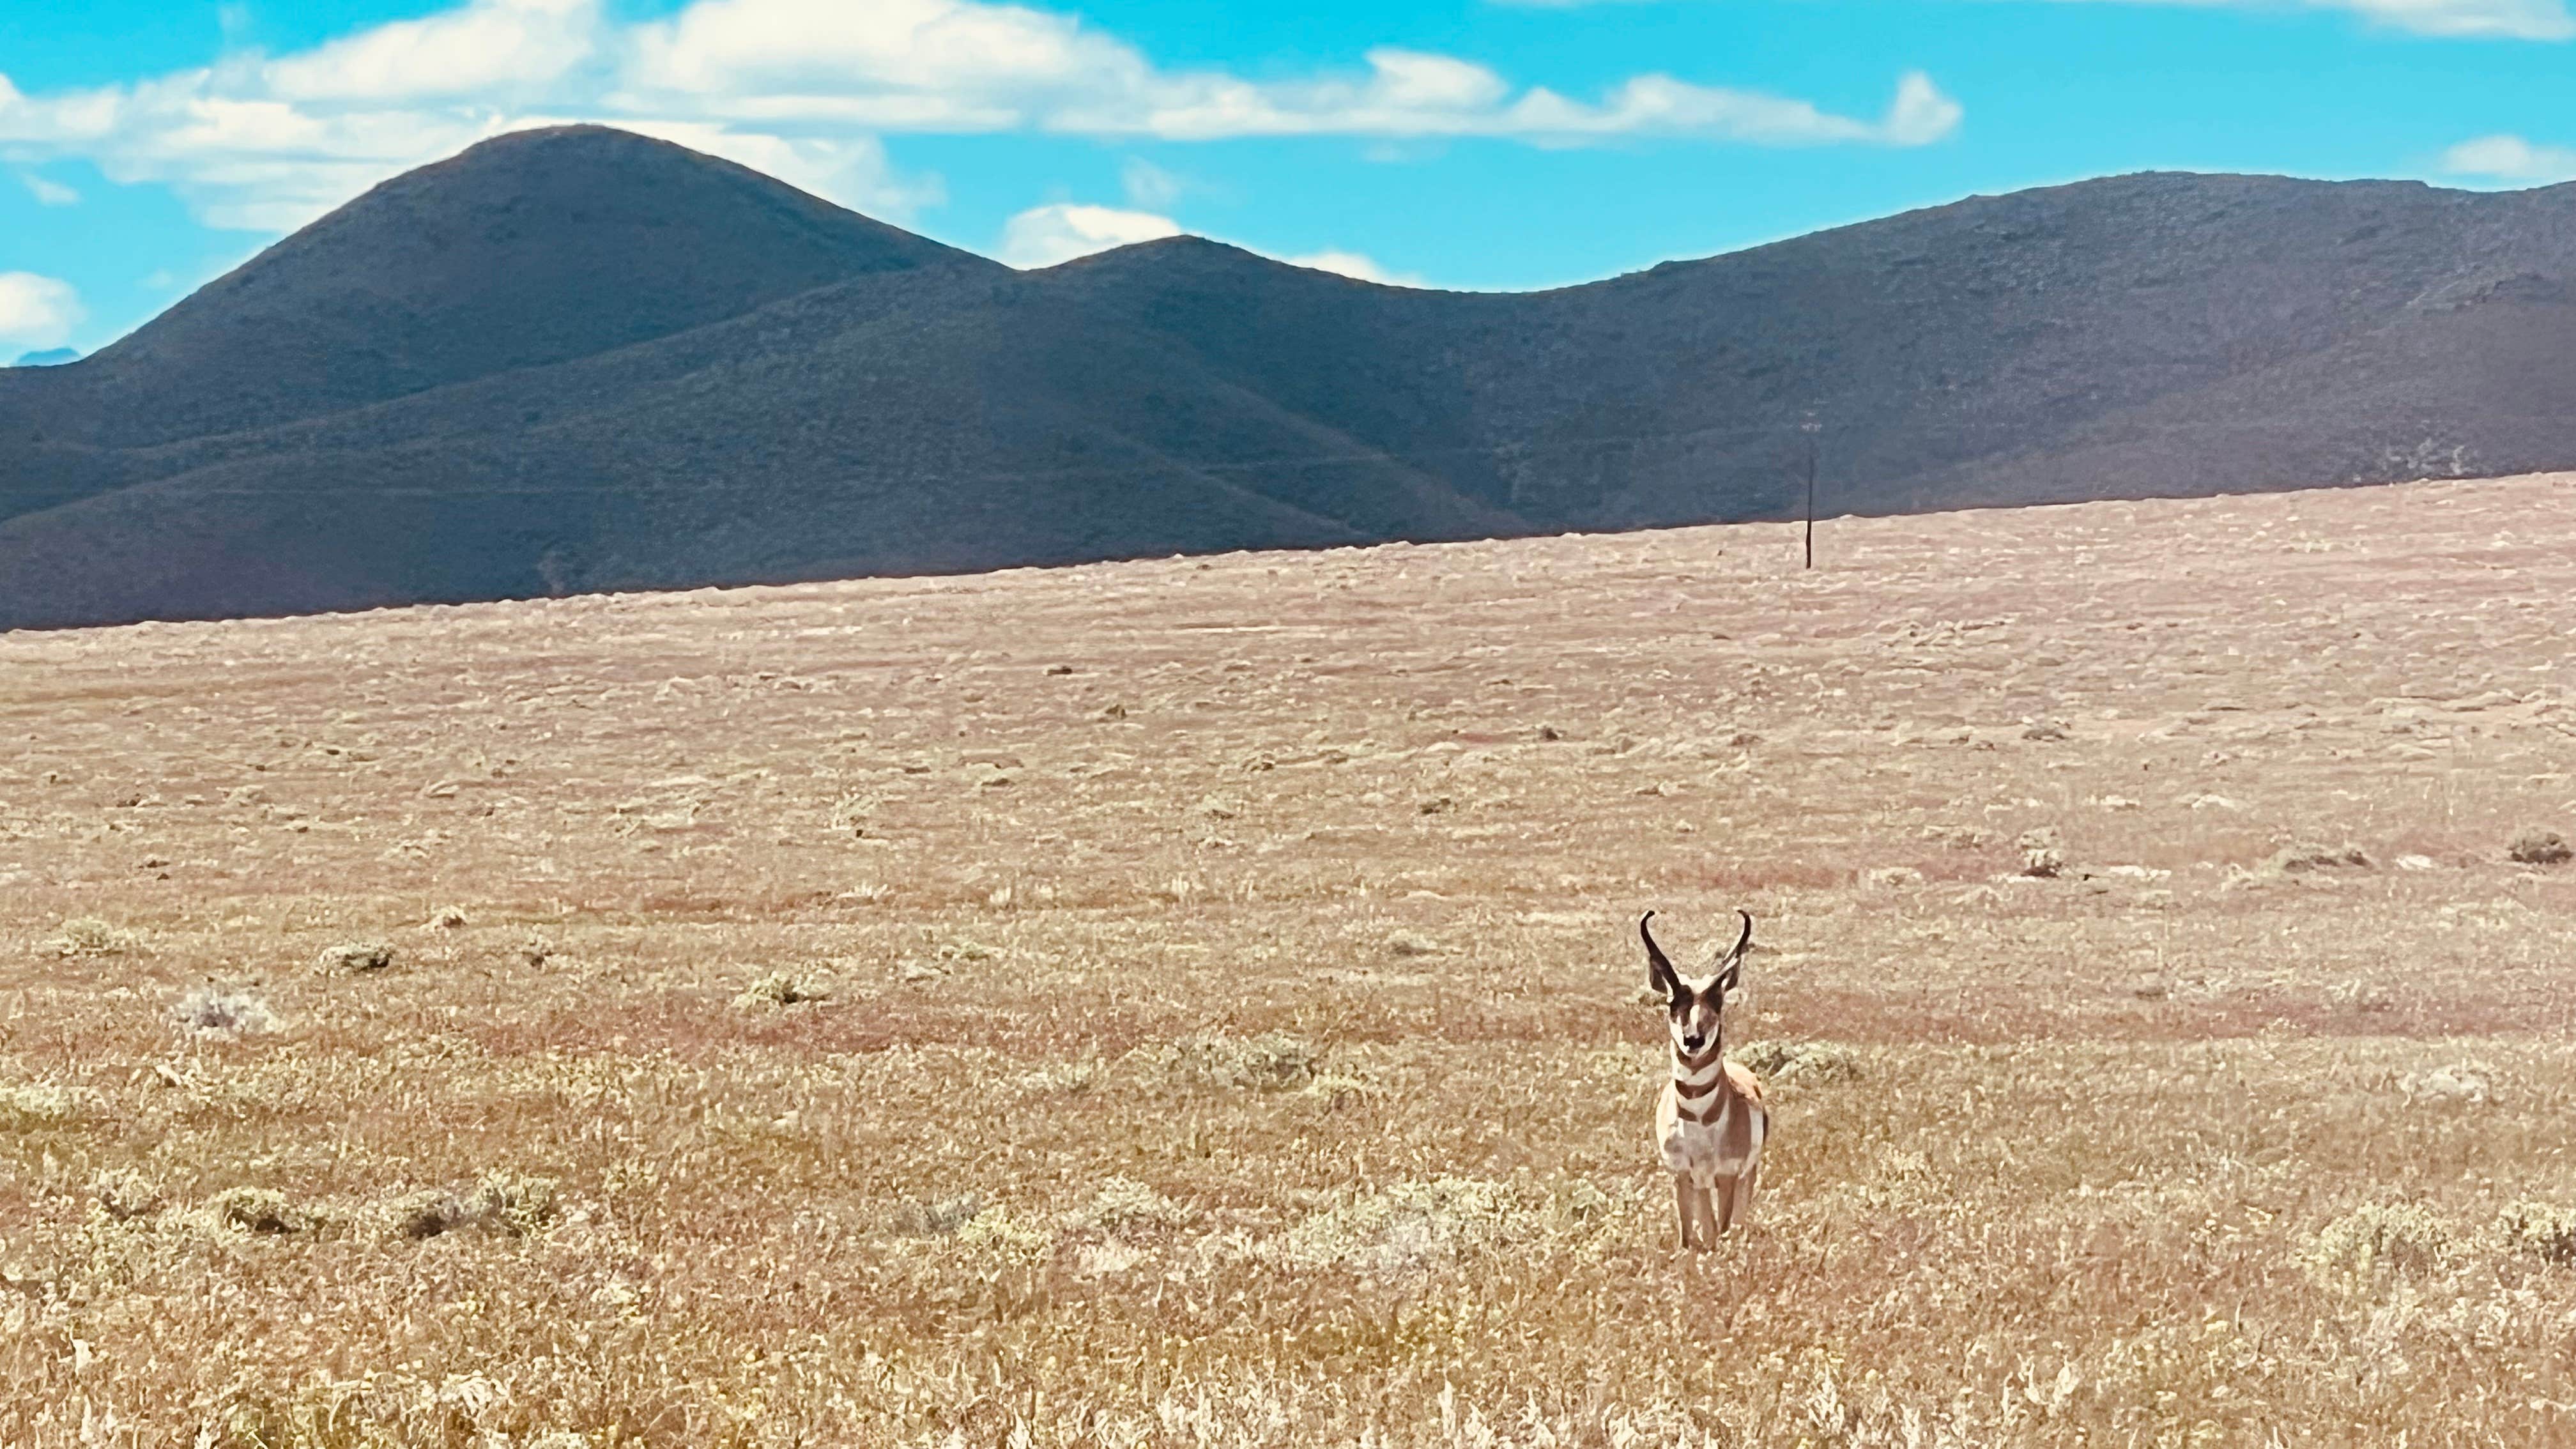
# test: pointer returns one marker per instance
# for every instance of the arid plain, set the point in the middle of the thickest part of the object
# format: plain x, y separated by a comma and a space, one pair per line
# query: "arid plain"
1196, 1003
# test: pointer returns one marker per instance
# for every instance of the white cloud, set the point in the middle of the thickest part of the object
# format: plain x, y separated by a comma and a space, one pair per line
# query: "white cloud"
2497, 19
1352, 264
2467, 19
38, 311
963, 65
1043, 236
256, 163
476, 50
804, 87
267, 144
251, 163
2511, 158
1920, 114
910, 64
1408, 93
47, 191
1148, 185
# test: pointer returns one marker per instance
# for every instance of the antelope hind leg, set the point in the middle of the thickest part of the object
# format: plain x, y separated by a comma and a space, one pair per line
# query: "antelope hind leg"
1742, 1205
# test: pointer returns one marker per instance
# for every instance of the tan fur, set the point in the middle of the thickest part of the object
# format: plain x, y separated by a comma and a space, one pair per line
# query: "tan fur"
1710, 1123
1715, 1163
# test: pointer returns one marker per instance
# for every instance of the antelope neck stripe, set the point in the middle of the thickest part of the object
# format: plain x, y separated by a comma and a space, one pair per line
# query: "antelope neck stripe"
1697, 1083
1715, 1109
1695, 1074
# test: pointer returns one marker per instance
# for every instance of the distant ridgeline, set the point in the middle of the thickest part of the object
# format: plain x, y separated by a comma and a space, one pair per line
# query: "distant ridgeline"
50, 357
577, 359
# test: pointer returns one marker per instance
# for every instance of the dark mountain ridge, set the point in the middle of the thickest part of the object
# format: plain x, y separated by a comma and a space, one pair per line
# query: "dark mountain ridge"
543, 246
577, 359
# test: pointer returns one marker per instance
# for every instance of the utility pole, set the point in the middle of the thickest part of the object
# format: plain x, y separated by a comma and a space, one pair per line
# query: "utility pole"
1811, 427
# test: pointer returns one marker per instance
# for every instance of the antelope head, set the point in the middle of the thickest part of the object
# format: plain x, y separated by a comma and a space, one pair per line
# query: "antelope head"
1694, 1004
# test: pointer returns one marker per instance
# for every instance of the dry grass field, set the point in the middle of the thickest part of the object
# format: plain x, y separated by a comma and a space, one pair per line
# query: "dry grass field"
1195, 1003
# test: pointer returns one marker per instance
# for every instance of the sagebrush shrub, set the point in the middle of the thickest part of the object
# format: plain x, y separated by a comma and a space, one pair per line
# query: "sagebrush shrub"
2543, 1230
2398, 1235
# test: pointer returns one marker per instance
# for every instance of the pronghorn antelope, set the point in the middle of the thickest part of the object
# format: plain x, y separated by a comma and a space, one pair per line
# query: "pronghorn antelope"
1711, 1122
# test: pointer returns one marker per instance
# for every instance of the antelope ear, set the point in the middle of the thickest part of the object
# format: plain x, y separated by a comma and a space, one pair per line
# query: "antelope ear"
1659, 972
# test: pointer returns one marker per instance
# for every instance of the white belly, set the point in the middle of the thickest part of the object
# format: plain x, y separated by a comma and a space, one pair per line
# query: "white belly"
1723, 1147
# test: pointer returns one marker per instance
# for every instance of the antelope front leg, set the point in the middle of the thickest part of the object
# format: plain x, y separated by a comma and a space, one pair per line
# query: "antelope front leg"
1704, 1213
1740, 1204
1686, 1210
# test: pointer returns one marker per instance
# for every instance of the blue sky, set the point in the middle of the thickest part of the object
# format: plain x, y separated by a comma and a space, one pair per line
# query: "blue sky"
148, 145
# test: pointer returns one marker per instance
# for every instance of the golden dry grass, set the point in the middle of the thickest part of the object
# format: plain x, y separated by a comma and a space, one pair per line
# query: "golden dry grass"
1192, 1003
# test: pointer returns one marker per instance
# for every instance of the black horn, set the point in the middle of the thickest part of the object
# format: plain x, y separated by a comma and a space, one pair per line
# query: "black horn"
1733, 961
1659, 972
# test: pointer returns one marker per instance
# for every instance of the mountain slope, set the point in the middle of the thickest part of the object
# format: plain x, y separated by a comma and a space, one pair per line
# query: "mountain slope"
897, 423
1937, 341
530, 248
580, 360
